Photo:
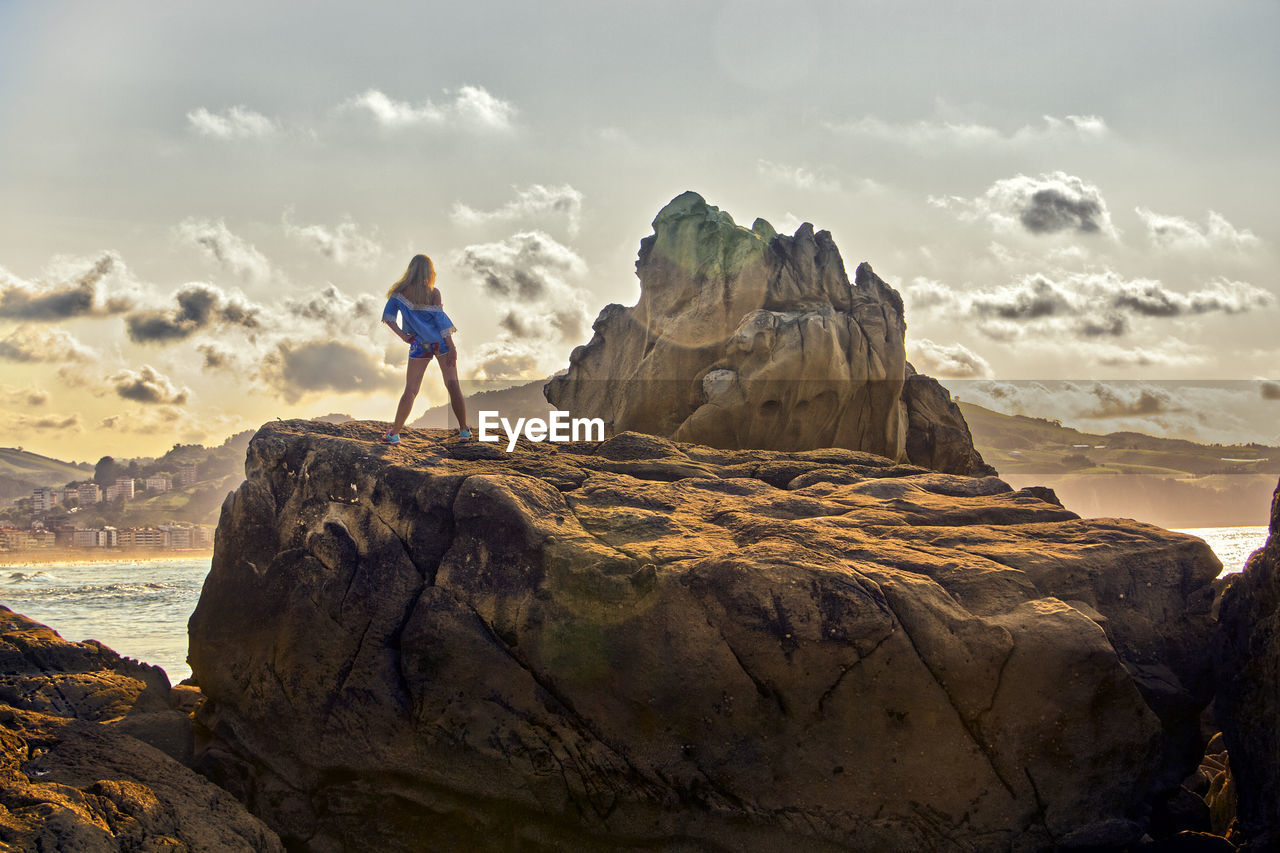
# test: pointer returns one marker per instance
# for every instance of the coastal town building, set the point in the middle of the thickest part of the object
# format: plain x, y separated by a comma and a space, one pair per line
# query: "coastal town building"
96, 537
65, 535
45, 499
69, 494
13, 539
188, 536
89, 493
143, 537
158, 484
121, 488
187, 474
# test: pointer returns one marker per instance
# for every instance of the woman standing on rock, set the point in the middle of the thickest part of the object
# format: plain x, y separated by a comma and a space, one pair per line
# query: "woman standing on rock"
429, 332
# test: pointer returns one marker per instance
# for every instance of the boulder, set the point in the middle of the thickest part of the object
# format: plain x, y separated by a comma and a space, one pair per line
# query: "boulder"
91, 749
647, 643
1247, 704
937, 435
744, 338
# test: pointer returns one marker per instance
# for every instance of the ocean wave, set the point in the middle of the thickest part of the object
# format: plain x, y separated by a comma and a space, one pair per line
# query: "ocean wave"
32, 577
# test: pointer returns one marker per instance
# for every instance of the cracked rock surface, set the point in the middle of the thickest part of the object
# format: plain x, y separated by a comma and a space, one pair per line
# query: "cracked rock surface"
90, 745
745, 338
440, 645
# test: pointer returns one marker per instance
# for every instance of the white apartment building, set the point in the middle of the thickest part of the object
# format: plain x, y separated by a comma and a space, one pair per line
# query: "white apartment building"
89, 493
188, 535
12, 539
143, 537
122, 488
44, 499
96, 537
187, 475
180, 535
159, 484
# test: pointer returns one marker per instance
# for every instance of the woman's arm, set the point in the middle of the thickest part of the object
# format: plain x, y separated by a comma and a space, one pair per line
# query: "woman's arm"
400, 333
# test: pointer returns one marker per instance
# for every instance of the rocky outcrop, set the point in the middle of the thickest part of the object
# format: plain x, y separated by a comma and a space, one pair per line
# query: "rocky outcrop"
91, 749
649, 644
744, 338
937, 435
1247, 653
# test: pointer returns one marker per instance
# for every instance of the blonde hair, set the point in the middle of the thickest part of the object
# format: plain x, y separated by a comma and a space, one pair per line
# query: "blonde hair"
418, 281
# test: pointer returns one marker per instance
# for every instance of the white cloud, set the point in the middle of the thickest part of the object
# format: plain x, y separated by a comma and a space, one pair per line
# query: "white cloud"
477, 106
942, 361
72, 287
231, 252
331, 309
1174, 232
798, 177
1168, 353
344, 243
526, 277
1048, 204
534, 202
923, 294
197, 306
147, 385
1090, 305
175, 422
237, 122
42, 343
298, 369
929, 135
33, 396
20, 423
472, 107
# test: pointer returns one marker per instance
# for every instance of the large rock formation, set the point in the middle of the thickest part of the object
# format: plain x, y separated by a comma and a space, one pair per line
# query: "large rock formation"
750, 339
1247, 651
89, 742
644, 644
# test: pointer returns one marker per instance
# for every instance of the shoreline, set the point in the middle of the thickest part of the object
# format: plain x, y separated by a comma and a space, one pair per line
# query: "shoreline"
100, 555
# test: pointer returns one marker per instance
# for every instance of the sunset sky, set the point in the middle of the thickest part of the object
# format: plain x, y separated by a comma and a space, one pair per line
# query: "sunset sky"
202, 206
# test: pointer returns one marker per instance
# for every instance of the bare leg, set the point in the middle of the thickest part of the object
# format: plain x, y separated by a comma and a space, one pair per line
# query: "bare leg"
412, 382
449, 371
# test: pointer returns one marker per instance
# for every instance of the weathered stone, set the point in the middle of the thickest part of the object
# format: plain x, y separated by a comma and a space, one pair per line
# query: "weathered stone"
77, 771
1247, 704
432, 644
937, 435
745, 338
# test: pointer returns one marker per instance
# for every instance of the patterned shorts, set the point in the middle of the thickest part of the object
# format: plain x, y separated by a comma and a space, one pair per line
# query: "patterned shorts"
417, 350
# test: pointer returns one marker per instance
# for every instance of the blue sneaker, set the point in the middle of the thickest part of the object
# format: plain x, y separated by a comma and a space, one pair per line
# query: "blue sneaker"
465, 433
390, 437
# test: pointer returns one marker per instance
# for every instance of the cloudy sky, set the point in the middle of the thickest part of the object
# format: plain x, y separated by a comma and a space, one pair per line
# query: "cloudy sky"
201, 207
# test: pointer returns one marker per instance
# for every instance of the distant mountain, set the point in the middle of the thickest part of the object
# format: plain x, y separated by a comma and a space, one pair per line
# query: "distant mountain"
1166, 481
21, 471
517, 401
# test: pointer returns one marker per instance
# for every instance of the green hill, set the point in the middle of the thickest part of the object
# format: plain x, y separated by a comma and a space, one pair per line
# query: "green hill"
218, 470
21, 471
1166, 481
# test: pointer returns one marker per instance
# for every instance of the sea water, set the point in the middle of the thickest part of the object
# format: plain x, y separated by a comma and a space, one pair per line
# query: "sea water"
140, 608
1233, 545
